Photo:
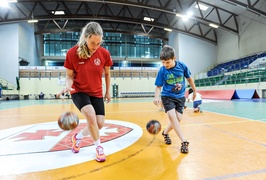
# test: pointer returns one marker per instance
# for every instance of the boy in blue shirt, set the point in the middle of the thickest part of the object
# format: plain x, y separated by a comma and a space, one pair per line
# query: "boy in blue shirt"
170, 82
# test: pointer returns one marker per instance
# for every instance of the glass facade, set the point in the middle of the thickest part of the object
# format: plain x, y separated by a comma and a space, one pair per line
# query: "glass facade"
121, 46
58, 44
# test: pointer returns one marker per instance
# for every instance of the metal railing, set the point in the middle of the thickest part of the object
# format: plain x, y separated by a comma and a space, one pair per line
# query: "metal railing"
61, 73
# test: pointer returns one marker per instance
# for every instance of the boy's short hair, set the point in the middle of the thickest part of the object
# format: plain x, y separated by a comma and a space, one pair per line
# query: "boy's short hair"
190, 91
167, 53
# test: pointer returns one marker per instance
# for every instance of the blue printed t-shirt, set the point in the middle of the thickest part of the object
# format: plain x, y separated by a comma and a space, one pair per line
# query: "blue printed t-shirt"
173, 80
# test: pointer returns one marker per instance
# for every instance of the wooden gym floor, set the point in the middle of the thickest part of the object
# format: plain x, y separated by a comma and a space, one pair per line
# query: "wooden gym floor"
227, 141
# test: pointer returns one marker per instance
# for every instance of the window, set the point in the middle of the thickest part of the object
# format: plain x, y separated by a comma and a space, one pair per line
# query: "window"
119, 45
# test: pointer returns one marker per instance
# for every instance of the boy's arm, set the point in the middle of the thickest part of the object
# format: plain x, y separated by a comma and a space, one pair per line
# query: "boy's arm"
192, 84
157, 98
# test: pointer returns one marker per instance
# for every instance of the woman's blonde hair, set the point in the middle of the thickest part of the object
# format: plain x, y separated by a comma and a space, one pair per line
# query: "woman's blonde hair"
91, 28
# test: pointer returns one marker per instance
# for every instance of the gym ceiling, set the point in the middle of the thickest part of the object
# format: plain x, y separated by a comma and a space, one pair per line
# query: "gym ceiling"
142, 17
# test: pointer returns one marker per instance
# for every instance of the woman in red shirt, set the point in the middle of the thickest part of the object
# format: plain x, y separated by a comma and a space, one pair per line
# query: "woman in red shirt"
85, 63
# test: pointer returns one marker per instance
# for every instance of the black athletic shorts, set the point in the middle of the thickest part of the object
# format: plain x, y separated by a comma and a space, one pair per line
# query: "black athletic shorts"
81, 99
173, 103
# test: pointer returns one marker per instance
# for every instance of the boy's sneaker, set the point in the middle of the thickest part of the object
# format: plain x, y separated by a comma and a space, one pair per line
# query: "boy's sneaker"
200, 110
167, 139
76, 143
100, 157
184, 147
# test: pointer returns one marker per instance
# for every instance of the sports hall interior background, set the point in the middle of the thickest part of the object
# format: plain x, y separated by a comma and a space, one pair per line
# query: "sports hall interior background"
221, 41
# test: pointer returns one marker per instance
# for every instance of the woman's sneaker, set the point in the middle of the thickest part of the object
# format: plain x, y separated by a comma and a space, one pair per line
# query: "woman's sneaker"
76, 143
100, 157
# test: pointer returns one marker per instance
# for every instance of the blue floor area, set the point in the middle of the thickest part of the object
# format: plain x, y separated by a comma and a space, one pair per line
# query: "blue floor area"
253, 109
249, 108
24, 103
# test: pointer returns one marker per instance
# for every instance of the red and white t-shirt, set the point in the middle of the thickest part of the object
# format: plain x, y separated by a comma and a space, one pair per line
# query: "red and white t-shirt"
88, 72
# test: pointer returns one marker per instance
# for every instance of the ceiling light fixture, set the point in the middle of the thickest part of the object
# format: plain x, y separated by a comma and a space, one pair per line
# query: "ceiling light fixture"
190, 13
3, 4
213, 25
58, 12
201, 7
179, 15
33, 21
167, 29
185, 17
148, 19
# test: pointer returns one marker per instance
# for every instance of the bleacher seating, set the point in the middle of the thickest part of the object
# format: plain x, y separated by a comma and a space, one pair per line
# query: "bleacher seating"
234, 72
6, 85
234, 65
241, 77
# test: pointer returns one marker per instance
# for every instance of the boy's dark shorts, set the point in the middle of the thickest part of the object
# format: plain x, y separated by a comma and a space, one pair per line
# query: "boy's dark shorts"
81, 99
173, 103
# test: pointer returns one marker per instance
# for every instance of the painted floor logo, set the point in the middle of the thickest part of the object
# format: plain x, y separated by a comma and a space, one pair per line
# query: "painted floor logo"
44, 146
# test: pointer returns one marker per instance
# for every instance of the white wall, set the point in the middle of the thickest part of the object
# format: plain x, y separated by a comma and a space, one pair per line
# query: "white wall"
253, 39
250, 40
174, 42
51, 86
227, 46
27, 43
195, 53
36, 85
135, 84
9, 52
17, 40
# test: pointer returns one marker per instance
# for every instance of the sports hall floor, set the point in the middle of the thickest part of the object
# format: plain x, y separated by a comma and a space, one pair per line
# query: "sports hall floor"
227, 141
